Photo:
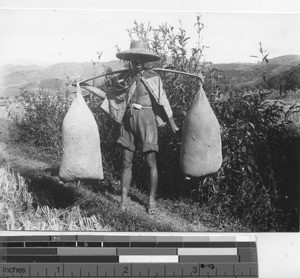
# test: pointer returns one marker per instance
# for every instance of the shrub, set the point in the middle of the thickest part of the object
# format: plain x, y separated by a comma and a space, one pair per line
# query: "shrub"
39, 116
255, 140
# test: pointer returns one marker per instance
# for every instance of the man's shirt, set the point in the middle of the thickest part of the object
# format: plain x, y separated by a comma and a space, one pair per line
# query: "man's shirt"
117, 100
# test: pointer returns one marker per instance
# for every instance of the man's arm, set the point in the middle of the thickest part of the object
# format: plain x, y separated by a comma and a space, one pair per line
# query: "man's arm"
167, 107
97, 92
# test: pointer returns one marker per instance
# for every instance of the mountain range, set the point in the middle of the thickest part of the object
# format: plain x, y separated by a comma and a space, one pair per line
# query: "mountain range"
241, 75
15, 78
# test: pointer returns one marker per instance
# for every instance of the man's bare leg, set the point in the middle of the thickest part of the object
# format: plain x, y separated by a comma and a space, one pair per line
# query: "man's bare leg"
153, 178
126, 174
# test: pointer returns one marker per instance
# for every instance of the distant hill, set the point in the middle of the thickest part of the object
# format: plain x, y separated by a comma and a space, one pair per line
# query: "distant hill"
247, 74
27, 62
288, 80
80, 70
291, 60
23, 77
14, 78
49, 84
14, 67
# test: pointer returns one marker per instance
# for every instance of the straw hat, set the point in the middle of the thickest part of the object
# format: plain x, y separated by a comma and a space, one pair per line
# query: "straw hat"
138, 50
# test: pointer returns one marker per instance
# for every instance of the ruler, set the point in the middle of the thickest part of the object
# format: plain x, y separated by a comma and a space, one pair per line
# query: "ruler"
128, 256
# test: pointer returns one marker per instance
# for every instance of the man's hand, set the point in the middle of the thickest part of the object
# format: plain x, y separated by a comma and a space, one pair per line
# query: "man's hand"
174, 127
79, 82
201, 77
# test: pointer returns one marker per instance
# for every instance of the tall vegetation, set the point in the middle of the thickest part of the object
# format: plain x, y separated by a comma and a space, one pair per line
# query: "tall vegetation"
39, 116
257, 183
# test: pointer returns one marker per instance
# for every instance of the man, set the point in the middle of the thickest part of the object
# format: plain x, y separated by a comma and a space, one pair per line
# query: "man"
139, 103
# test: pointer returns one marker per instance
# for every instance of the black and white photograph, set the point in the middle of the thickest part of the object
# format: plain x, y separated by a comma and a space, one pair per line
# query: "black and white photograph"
149, 120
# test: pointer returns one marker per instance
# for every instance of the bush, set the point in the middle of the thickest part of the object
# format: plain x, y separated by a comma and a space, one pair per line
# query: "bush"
39, 116
249, 185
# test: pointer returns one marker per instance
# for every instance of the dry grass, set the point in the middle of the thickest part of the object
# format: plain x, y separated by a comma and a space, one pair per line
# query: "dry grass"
17, 212
14, 199
93, 211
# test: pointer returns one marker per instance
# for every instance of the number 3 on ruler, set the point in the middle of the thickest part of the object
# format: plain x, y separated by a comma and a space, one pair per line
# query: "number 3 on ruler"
195, 269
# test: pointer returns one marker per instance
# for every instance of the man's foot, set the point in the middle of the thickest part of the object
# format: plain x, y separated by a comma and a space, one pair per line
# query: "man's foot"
152, 208
123, 206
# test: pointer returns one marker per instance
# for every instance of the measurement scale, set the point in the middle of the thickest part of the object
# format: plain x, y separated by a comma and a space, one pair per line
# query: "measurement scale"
128, 256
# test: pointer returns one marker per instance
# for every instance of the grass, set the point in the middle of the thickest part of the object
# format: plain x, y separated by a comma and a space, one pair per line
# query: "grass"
92, 210
18, 212
197, 213
94, 207
32, 199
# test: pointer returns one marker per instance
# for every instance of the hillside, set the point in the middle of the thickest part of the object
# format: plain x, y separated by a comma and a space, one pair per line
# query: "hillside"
290, 60
14, 78
51, 84
34, 199
79, 70
288, 80
248, 74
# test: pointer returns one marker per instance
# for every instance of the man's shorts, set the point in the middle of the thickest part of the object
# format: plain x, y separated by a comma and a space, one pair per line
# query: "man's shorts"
139, 128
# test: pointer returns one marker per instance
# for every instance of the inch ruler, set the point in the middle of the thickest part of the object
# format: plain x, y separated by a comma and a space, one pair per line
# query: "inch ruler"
128, 256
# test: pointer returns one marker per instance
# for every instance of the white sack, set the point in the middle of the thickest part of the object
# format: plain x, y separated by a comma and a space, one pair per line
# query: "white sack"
81, 143
201, 148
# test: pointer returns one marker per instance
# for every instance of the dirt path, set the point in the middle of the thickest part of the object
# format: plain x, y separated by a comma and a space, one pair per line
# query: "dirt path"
26, 159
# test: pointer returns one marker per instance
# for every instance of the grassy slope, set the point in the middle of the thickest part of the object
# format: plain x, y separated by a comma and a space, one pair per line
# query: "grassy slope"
85, 205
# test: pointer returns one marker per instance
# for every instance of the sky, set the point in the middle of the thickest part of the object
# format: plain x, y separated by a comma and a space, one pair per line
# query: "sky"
65, 32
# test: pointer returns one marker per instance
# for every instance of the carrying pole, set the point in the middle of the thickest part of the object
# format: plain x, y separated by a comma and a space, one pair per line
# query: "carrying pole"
176, 71
103, 74
155, 69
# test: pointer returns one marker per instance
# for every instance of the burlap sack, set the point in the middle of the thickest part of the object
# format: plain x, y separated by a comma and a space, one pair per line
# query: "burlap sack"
81, 143
201, 148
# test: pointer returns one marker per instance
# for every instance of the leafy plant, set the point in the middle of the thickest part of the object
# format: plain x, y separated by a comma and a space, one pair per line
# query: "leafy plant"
41, 119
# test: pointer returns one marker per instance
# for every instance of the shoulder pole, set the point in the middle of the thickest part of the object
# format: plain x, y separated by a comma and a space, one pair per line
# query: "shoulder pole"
176, 71
155, 69
104, 74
